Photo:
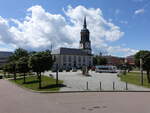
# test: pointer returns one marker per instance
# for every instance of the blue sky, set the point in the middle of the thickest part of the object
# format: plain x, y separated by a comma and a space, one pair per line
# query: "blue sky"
131, 16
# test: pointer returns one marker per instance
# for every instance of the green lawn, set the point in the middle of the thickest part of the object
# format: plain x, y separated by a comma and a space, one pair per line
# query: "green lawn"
48, 84
134, 78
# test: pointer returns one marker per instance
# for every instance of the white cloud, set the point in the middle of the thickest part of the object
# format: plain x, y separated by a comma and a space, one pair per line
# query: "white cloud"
5, 35
120, 49
139, 11
40, 29
99, 27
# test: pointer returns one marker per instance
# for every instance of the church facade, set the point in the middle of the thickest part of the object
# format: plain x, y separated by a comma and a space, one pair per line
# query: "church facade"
75, 57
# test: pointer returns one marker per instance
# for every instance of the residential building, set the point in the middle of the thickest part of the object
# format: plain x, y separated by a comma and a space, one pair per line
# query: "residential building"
4, 57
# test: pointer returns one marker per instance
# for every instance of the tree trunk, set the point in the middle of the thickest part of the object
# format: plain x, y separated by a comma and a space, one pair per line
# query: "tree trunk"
4, 73
40, 81
37, 75
148, 76
24, 78
14, 75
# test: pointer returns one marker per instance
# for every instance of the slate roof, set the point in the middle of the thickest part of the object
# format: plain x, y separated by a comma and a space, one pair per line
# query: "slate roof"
70, 51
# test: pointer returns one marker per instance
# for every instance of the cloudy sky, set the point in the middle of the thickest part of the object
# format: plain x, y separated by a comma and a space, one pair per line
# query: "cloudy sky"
117, 27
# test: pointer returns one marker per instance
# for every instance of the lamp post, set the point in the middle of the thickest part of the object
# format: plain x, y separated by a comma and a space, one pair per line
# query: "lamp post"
57, 69
141, 70
125, 66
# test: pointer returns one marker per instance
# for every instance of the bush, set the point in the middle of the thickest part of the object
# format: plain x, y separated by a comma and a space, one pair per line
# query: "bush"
1, 77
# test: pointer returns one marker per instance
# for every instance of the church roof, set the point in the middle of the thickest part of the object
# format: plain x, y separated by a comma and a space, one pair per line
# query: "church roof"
70, 51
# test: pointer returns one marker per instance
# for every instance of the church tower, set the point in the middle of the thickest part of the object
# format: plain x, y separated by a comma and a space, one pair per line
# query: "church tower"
85, 42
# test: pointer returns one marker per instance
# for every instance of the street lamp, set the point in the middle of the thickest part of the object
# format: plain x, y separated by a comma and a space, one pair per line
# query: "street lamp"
57, 69
125, 66
141, 69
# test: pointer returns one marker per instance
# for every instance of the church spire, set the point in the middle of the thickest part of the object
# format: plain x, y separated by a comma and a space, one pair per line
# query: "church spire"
85, 22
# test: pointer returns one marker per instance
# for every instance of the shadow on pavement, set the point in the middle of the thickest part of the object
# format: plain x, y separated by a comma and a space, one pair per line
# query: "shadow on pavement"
53, 86
31, 82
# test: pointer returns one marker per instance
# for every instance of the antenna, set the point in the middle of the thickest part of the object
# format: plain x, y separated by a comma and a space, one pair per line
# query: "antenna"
51, 48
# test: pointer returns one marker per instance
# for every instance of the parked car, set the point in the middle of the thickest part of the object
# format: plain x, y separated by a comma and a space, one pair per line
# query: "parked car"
60, 70
74, 69
68, 69
55, 70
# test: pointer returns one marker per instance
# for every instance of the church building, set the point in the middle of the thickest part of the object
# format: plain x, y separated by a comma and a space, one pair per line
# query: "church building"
75, 57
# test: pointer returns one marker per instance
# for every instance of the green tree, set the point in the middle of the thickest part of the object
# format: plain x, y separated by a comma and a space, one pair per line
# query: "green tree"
40, 62
145, 55
18, 54
11, 68
129, 67
22, 67
5, 69
99, 60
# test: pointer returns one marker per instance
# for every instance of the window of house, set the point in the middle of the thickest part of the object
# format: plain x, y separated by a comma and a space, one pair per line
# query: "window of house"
69, 58
74, 58
79, 59
83, 59
64, 58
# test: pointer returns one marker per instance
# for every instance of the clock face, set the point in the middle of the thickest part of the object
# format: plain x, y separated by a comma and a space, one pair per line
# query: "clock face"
87, 45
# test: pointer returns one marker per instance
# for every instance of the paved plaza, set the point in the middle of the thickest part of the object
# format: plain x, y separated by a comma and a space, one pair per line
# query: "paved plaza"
75, 81
14, 99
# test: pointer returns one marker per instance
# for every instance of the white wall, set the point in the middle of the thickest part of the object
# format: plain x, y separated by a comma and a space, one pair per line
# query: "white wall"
74, 59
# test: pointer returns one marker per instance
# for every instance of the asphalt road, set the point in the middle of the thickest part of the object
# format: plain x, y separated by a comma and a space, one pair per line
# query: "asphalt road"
14, 99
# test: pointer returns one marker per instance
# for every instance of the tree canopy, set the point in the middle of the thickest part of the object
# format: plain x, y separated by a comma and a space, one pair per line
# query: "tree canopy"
22, 66
145, 56
19, 53
99, 60
40, 62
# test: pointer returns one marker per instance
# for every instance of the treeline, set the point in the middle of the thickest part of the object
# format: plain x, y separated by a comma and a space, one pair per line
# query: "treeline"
142, 60
99, 60
23, 62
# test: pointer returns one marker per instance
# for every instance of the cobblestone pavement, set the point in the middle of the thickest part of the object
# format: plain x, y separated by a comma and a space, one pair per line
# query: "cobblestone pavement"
14, 99
75, 81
